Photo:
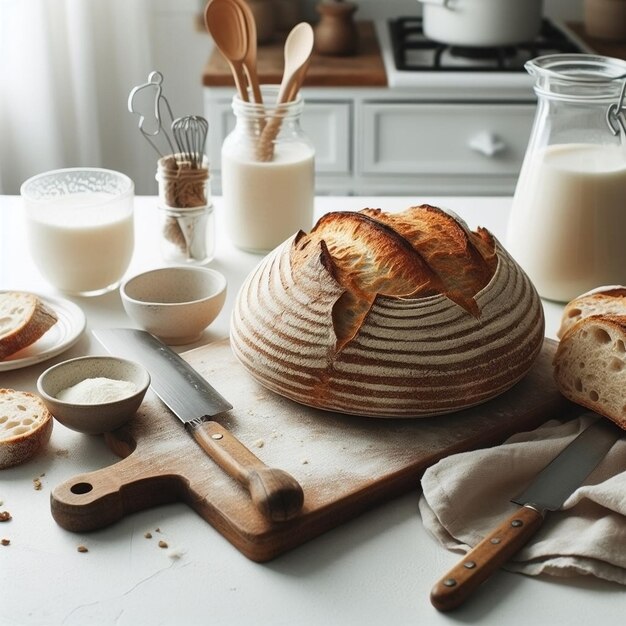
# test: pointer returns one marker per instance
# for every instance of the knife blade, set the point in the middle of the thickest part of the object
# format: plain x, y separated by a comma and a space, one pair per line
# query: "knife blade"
548, 491
194, 401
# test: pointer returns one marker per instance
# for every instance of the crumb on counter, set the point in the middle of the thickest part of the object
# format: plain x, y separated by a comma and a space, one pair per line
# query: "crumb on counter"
163, 544
175, 554
82, 548
259, 443
37, 484
4, 541
148, 535
5, 516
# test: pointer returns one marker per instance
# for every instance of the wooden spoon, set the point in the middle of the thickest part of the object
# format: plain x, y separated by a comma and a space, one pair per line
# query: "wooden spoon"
250, 60
224, 20
298, 49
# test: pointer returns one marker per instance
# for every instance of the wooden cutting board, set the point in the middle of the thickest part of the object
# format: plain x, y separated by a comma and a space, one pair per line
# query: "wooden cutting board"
345, 464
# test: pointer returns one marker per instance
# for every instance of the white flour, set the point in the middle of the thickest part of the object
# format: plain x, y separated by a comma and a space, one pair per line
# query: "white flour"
97, 390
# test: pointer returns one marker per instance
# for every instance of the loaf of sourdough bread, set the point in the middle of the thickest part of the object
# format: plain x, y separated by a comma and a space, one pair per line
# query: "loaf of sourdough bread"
24, 318
590, 362
25, 426
388, 315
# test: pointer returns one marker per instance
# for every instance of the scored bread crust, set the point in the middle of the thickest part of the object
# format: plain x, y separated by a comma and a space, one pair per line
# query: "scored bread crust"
453, 253
590, 365
309, 324
368, 259
24, 319
25, 426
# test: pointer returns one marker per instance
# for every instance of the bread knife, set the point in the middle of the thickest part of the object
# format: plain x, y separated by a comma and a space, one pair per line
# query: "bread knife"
274, 492
548, 491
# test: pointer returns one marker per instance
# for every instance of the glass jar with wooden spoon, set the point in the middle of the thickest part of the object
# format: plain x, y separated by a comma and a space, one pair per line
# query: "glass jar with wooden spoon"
268, 172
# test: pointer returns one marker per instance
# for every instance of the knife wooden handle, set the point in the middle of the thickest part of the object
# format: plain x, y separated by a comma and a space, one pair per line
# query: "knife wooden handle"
275, 493
480, 562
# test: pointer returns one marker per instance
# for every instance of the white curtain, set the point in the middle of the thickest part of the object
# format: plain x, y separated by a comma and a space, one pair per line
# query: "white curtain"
66, 68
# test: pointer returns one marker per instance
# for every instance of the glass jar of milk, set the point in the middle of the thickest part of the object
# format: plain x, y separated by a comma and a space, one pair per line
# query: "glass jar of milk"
80, 227
268, 173
568, 217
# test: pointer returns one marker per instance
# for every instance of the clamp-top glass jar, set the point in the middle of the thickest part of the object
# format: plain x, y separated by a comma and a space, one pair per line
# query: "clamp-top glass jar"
568, 217
268, 173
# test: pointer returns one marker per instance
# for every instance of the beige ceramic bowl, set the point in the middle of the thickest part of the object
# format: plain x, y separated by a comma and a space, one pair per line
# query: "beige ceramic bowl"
97, 418
175, 303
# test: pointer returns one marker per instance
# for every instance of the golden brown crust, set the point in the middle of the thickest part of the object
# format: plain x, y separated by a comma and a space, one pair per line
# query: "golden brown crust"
367, 258
27, 320
448, 249
25, 426
420, 252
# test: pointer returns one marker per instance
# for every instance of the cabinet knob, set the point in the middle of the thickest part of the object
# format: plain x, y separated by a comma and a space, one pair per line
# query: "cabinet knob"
487, 144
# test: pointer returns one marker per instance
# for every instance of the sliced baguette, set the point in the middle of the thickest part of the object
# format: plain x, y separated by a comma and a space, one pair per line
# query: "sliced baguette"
24, 318
25, 426
603, 300
590, 365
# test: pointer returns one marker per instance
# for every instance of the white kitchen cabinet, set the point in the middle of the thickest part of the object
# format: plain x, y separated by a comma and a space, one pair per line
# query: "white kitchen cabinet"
437, 147
389, 141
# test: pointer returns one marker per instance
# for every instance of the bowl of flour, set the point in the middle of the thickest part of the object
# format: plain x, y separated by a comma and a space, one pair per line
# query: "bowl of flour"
94, 394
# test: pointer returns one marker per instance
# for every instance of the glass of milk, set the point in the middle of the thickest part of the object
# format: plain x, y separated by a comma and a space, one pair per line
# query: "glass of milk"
568, 217
268, 173
80, 227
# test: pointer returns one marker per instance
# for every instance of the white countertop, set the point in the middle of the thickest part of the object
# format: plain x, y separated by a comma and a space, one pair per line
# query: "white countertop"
376, 569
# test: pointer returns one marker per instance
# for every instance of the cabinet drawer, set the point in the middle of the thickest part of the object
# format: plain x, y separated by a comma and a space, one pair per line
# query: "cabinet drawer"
420, 138
327, 124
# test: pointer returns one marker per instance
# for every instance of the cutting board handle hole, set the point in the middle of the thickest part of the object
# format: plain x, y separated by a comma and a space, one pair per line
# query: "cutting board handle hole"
81, 488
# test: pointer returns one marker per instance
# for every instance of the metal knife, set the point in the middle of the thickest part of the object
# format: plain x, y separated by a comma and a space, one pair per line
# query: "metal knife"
193, 400
552, 486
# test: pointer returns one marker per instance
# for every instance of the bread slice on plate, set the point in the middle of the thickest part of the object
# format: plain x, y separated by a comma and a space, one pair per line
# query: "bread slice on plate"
24, 318
590, 365
25, 426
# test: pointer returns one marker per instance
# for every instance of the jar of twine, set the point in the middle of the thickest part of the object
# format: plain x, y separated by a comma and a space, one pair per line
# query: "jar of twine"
188, 228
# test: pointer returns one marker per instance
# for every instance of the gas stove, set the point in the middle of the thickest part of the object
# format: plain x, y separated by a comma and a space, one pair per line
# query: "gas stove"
413, 60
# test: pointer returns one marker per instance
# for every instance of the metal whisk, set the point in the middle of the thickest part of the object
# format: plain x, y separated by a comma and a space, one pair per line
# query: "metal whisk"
190, 134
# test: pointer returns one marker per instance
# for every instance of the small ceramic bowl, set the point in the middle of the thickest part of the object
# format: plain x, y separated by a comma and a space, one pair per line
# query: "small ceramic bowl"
98, 417
175, 303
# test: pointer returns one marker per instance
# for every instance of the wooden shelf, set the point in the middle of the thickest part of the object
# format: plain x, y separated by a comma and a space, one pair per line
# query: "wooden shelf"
365, 69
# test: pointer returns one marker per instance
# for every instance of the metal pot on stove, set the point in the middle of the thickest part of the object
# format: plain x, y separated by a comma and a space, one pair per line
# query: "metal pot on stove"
482, 23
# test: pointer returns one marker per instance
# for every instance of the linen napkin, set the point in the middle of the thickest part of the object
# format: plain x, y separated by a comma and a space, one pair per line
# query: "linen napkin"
467, 495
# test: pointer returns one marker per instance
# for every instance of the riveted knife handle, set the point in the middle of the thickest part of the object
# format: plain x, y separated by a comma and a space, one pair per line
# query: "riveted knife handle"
274, 492
480, 562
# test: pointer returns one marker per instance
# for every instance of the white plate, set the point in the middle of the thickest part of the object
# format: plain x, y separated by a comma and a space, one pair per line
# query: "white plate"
63, 335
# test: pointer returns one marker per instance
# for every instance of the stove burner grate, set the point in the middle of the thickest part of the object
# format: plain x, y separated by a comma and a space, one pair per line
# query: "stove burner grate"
413, 51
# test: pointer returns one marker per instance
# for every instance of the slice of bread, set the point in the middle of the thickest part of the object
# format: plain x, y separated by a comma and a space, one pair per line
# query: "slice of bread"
24, 318
603, 300
25, 426
590, 365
